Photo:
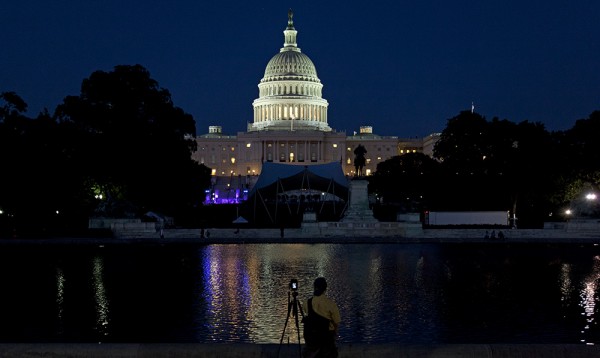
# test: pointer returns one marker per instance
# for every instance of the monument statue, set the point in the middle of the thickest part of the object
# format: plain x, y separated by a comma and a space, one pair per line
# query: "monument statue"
359, 160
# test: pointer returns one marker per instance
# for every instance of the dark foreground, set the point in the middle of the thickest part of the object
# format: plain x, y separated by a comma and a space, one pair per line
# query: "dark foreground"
274, 350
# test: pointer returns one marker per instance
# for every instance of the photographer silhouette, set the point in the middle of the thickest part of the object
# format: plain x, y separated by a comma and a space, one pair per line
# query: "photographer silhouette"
321, 323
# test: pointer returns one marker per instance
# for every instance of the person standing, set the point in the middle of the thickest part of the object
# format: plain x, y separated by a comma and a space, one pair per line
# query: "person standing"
322, 306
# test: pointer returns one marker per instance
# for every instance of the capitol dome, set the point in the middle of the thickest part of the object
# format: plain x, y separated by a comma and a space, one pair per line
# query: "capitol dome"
290, 91
291, 63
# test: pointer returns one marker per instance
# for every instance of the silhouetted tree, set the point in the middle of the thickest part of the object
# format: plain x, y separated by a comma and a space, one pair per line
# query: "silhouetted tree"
35, 186
406, 181
579, 161
12, 127
133, 143
496, 165
584, 148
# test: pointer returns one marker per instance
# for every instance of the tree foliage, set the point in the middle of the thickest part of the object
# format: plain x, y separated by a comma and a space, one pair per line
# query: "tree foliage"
497, 165
121, 147
584, 150
132, 143
406, 180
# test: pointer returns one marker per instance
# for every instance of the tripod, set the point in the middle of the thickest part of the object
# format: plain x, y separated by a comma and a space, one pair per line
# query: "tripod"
293, 307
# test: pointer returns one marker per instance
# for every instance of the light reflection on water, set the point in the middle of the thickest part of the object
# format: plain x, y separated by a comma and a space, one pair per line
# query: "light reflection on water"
60, 297
245, 287
409, 293
589, 297
102, 302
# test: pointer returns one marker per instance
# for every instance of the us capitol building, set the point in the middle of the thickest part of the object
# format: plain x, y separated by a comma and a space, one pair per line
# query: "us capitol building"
290, 125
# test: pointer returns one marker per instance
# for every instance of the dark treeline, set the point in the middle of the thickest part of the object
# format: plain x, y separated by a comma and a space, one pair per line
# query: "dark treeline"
121, 148
498, 165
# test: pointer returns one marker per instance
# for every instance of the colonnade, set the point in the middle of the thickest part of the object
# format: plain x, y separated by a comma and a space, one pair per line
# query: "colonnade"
306, 112
303, 90
307, 154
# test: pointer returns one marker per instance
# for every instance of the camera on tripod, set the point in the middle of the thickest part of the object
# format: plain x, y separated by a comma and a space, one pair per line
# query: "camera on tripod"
293, 307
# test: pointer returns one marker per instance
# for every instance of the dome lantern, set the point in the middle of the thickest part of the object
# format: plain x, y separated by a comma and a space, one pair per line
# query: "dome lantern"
290, 35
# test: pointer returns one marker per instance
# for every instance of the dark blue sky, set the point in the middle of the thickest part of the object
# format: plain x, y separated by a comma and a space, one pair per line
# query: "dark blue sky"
402, 67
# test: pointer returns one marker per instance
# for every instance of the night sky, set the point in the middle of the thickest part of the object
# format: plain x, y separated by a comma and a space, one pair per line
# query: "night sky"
402, 67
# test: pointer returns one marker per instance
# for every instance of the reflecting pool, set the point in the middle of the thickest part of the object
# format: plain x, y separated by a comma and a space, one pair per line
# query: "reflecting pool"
392, 293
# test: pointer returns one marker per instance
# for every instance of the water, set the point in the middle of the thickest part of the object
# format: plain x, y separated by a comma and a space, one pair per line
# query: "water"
392, 293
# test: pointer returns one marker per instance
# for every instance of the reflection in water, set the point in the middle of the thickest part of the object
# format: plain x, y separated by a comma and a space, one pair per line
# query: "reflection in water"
589, 298
245, 288
564, 280
372, 289
227, 293
60, 297
394, 293
102, 309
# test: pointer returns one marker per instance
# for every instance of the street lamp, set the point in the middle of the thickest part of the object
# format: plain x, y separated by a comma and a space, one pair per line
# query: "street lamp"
591, 196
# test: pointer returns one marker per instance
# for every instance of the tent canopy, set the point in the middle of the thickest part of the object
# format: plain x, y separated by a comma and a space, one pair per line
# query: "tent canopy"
322, 177
240, 220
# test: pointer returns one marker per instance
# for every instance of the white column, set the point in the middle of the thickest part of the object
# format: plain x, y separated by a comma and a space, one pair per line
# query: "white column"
318, 150
305, 157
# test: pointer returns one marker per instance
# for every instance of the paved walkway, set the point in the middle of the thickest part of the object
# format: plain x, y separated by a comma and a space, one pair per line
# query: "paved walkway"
272, 350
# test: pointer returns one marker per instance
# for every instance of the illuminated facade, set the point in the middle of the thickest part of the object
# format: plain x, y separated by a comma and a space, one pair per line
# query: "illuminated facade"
290, 125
